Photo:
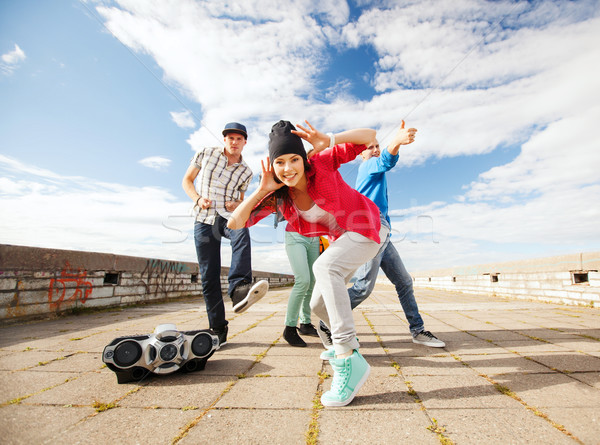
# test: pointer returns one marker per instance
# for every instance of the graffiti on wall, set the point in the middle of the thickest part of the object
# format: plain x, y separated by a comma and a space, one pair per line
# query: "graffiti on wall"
71, 286
158, 276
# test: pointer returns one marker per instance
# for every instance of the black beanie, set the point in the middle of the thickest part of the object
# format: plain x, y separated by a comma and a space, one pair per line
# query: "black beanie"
283, 142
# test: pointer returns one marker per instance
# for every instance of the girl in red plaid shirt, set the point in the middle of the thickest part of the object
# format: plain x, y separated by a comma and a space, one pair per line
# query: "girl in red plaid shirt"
312, 196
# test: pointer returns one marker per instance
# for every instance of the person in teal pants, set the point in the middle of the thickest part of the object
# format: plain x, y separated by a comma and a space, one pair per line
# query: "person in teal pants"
302, 251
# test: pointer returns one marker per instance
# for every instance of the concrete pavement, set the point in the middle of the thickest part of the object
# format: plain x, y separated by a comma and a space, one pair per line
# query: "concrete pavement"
512, 372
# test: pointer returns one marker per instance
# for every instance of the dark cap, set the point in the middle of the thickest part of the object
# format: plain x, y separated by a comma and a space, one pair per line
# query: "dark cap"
282, 141
234, 127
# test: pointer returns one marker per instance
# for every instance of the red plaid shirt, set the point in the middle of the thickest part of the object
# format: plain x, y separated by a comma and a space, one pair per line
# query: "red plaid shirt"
352, 211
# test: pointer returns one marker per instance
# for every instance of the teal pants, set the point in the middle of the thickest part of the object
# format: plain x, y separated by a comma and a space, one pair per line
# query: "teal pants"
302, 251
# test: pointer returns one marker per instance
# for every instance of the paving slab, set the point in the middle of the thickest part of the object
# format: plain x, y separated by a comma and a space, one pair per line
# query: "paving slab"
26, 424
459, 392
128, 426
552, 390
288, 366
180, 391
20, 384
503, 364
84, 389
567, 362
589, 378
250, 426
511, 372
341, 426
582, 422
13, 361
498, 426
271, 393
437, 365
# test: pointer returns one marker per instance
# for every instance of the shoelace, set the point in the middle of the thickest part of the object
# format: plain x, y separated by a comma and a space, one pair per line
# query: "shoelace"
340, 377
428, 334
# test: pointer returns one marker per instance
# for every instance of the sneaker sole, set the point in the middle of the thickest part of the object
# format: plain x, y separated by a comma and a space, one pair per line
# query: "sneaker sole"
326, 355
431, 345
351, 398
256, 293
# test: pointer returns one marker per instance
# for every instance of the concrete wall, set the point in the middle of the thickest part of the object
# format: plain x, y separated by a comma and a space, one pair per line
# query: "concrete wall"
570, 279
36, 281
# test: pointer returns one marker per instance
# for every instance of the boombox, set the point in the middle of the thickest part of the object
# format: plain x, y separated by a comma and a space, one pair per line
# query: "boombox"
165, 351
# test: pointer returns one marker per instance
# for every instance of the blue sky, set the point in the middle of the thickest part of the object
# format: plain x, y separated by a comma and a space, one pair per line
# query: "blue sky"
104, 102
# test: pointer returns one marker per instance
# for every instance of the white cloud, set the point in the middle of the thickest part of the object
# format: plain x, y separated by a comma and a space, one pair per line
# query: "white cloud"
546, 200
11, 60
562, 157
523, 78
208, 61
155, 162
15, 56
423, 42
471, 75
44, 209
183, 119
219, 65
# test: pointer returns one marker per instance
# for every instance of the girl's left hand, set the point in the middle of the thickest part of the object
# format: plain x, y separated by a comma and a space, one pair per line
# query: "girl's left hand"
320, 141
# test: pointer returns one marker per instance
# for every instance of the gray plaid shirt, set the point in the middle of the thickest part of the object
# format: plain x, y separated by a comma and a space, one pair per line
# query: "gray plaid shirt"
219, 182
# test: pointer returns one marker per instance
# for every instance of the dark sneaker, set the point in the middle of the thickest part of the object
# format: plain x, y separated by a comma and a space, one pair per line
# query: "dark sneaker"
290, 334
325, 335
428, 339
349, 375
245, 295
308, 329
222, 334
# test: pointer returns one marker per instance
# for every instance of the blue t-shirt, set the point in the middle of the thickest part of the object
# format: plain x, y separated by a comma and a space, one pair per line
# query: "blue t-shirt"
371, 181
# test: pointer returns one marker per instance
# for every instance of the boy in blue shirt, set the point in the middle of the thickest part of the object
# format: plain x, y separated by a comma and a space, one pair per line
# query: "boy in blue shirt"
372, 183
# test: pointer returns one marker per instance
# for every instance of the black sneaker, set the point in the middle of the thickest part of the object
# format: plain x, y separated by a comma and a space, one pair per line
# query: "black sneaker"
290, 334
222, 334
245, 295
308, 329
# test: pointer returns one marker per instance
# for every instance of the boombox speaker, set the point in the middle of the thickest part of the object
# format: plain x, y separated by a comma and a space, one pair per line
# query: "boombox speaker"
165, 351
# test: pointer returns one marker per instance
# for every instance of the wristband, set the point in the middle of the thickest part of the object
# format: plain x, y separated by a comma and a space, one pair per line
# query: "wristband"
331, 139
199, 198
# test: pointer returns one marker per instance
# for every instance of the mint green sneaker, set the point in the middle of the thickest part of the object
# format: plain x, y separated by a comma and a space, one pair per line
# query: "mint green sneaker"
349, 374
327, 354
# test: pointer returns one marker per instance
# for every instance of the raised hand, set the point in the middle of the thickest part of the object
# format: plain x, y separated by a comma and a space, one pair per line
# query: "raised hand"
267, 179
404, 136
314, 137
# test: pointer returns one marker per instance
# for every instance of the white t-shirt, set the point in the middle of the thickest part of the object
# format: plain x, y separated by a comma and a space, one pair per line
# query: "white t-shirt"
317, 215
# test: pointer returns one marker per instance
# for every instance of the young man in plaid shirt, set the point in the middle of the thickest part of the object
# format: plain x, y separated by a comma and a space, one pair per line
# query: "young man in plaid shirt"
222, 177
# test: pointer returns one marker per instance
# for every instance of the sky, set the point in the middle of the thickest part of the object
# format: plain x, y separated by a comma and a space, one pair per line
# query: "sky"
103, 103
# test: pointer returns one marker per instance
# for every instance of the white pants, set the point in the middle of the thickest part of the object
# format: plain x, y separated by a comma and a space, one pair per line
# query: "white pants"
333, 269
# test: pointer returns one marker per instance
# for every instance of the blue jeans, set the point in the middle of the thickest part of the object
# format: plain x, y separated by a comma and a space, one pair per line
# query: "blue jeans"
208, 248
391, 264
